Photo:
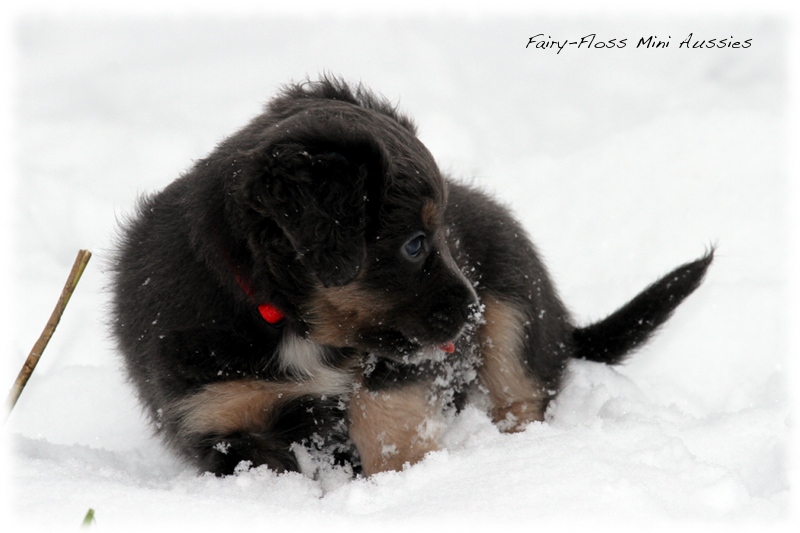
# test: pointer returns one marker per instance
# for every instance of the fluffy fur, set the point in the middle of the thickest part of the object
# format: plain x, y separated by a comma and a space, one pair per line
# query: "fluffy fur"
402, 291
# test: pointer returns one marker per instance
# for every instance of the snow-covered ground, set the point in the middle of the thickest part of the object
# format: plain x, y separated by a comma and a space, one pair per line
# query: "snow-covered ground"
621, 163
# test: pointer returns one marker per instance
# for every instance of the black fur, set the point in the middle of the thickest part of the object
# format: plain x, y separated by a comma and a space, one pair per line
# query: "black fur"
309, 208
614, 337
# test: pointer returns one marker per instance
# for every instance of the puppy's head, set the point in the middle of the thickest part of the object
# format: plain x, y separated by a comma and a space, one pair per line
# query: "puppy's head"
361, 202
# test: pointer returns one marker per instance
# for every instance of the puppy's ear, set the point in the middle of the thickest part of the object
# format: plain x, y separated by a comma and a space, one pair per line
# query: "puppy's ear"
317, 193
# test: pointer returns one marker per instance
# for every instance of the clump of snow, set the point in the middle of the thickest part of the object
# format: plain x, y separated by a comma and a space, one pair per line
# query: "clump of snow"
621, 164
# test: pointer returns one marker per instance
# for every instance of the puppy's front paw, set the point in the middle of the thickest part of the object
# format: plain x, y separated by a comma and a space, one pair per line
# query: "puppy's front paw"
514, 417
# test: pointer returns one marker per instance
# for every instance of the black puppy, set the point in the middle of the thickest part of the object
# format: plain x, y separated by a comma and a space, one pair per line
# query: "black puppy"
316, 280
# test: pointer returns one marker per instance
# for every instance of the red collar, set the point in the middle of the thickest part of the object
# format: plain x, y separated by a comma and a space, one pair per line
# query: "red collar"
270, 313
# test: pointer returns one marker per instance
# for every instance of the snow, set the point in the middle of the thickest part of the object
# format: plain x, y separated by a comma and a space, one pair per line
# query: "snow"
621, 164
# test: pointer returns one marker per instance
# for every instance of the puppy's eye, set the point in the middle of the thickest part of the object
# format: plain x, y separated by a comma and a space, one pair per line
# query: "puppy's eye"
414, 247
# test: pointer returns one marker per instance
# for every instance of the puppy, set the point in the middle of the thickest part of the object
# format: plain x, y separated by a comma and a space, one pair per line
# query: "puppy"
316, 280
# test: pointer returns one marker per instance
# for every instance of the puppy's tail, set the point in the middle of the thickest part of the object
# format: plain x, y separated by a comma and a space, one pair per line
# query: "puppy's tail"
611, 339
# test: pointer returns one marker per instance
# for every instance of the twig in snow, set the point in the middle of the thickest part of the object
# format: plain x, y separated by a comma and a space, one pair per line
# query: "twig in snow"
88, 520
33, 358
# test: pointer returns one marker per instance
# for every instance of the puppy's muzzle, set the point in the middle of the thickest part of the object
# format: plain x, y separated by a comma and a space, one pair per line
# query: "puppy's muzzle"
457, 306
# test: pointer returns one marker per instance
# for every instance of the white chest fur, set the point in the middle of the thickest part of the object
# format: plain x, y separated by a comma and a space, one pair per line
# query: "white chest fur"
305, 360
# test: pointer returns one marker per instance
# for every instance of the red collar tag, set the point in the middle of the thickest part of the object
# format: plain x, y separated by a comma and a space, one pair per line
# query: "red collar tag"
270, 313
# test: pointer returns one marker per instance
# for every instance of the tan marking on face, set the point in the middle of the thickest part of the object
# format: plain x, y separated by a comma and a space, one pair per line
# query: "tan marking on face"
517, 399
394, 427
337, 314
431, 215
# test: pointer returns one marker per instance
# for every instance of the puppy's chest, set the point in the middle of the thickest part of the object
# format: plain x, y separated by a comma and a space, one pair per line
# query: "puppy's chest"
323, 370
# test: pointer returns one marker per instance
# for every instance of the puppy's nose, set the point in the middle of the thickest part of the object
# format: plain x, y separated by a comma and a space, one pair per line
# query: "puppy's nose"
468, 307
454, 308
